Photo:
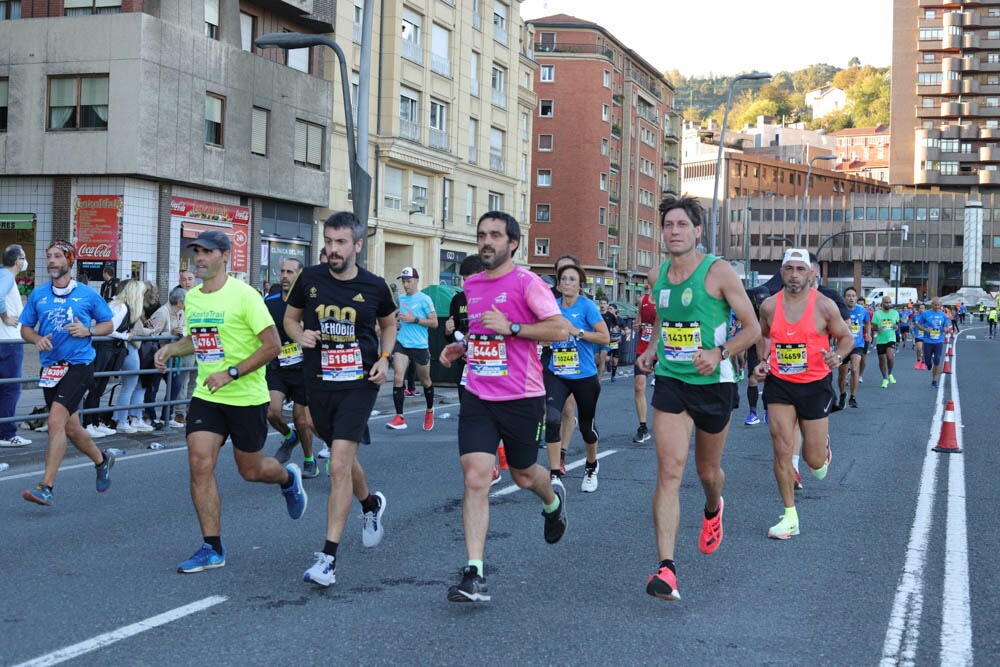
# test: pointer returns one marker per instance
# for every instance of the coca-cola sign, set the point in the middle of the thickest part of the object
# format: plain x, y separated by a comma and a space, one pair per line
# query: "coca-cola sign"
98, 226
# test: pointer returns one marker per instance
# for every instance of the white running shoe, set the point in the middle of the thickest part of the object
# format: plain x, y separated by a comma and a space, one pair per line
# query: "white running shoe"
124, 427
95, 432
324, 453
175, 424
372, 532
106, 430
139, 425
589, 483
16, 441
324, 570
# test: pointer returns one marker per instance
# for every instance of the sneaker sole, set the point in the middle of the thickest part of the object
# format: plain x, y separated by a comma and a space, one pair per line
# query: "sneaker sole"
396, 428
656, 587
782, 536
456, 594
201, 568
30, 497
378, 522
306, 578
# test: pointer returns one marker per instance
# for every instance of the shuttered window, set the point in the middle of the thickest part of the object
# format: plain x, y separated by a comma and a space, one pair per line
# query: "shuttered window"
258, 131
308, 144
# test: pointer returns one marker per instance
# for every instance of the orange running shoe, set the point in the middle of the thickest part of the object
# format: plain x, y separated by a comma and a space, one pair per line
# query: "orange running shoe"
397, 423
663, 585
429, 420
711, 532
502, 455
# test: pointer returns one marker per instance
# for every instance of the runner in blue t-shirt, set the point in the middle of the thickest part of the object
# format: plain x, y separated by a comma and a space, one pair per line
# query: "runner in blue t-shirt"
59, 320
933, 324
860, 324
416, 318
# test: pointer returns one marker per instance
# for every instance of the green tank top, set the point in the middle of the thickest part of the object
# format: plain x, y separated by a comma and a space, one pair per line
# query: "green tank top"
690, 319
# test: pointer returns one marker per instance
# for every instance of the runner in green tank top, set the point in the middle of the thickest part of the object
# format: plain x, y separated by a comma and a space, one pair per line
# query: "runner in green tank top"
693, 294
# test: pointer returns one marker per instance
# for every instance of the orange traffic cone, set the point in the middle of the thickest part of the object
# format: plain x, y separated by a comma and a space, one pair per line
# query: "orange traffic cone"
502, 454
947, 366
948, 353
947, 442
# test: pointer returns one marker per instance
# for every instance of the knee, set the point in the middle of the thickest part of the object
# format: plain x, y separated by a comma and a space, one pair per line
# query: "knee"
274, 415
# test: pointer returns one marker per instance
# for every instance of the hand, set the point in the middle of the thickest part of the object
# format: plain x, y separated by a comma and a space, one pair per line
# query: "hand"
496, 321
761, 370
44, 344
309, 339
217, 381
449, 326
645, 362
408, 317
380, 371
161, 358
450, 353
705, 361
78, 329
832, 359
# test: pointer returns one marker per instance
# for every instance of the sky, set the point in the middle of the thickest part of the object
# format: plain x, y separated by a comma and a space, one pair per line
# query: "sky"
734, 36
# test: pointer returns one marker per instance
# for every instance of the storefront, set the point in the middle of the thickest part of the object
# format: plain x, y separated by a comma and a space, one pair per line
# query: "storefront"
20, 228
450, 261
286, 232
196, 216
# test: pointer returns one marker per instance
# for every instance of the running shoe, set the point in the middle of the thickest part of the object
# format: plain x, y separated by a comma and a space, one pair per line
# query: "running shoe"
784, 529
173, 423
139, 425
556, 480
107, 430
798, 481
398, 423
820, 473
371, 531
752, 419
95, 432
324, 570
843, 402
589, 484
663, 585
766, 419
205, 558
853, 402
885, 383
642, 434
429, 419
287, 445
324, 453
555, 522
892, 380
934, 383
104, 471
16, 441
295, 496
40, 494
496, 476
310, 469
472, 588
407, 392
916, 366
124, 427
711, 531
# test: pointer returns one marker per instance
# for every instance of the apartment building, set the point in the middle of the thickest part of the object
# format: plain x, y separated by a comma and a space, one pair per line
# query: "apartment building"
450, 111
863, 151
945, 119
606, 146
130, 126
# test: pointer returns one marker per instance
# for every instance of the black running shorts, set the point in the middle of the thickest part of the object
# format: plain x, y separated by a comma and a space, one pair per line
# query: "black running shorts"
483, 424
245, 425
421, 356
811, 400
342, 414
709, 405
71, 388
290, 381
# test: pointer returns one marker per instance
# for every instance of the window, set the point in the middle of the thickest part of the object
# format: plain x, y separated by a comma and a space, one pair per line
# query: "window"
544, 142
545, 178
474, 73
500, 23
258, 131
542, 247
440, 45
494, 200
419, 187
393, 193
78, 102
542, 212
88, 7
308, 144
473, 140
524, 126
470, 204
524, 168
212, 19
604, 181
411, 37
607, 79
446, 199
3, 104
496, 150
215, 113
247, 29
602, 216
605, 113
548, 73
10, 10
545, 108
498, 87
409, 114
600, 250
476, 16
298, 58
439, 116
355, 95
605, 144
359, 17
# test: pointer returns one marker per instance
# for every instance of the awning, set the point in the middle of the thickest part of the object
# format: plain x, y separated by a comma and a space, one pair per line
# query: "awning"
17, 221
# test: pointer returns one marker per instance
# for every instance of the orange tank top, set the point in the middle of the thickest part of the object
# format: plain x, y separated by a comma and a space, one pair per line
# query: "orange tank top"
797, 349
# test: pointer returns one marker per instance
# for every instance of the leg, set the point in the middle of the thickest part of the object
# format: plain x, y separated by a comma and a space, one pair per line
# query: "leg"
814, 435
344, 467
477, 468
255, 467
274, 416
784, 437
303, 426
61, 425
855, 373
203, 452
556, 393
890, 358
566, 424
639, 396
671, 433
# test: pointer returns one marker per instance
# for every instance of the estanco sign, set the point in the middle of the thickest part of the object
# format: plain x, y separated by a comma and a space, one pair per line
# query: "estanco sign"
98, 226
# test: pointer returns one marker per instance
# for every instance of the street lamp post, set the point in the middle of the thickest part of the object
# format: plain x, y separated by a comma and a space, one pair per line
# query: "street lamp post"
714, 221
805, 196
357, 145
903, 228
614, 270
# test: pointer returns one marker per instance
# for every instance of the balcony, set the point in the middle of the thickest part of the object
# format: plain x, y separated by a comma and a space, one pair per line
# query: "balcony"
648, 114
989, 154
617, 99
989, 133
496, 161
441, 65
951, 87
413, 52
498, 98
971, 19
645, 81
582, 49
669, 136
970, 40
616, 131
970, 87
926, 177
970, 108
499, 34
438, 139
409, 129
953, 18
951, 42
970, 64
951, 110
951, 64
928, 112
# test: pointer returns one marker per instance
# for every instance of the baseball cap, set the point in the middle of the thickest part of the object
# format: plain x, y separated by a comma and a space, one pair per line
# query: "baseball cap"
213, 240
408, 273
796, 255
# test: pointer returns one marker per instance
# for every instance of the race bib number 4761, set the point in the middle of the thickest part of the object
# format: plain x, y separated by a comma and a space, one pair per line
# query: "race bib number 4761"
207, 345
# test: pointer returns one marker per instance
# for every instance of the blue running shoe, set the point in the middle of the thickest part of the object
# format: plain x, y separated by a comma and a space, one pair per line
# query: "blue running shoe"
295, 495
104, 471
766, 420
205, 558
310, 469
41, 495
751, 419
287, 445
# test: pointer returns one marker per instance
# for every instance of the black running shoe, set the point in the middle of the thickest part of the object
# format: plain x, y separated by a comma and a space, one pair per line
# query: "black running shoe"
853, 402
472, 588
641, 434
555, 522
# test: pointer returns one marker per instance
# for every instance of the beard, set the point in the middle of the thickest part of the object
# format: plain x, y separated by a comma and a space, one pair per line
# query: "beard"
796, 288
497, 258
57, 272
339, 265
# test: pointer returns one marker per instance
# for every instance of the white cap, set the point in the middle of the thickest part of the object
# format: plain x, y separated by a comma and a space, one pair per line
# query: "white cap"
796, 255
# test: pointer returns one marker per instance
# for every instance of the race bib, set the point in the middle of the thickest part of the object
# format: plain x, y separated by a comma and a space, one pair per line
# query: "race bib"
465, 375
646, 332
341, 362
886, 324
565, 358
791, 358
290, 355
680, 340
615, 342
855, 328
935, 333
487, 355
207, 345
52, 375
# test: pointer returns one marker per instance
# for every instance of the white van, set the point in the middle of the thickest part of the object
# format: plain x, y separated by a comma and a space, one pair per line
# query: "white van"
900, 295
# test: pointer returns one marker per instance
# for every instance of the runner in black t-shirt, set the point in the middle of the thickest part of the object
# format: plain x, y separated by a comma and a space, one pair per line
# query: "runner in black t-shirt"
332, 312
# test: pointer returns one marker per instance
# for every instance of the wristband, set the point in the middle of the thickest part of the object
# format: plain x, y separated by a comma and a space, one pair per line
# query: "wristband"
384, 355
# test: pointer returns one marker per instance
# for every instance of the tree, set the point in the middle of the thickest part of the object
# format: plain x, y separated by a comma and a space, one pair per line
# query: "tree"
854, 62
833, 121
813, 76
692, 114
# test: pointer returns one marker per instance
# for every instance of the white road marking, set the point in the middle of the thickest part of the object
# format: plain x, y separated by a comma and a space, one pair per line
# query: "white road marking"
108, 638
507, 490
90, 464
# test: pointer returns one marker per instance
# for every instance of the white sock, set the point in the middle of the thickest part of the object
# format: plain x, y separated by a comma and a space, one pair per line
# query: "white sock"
795, 462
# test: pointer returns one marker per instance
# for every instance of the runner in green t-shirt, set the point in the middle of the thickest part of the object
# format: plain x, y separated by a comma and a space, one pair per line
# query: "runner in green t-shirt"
885, 322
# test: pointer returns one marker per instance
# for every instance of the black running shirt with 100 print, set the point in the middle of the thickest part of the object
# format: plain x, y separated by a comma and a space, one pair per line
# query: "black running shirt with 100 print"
345, 312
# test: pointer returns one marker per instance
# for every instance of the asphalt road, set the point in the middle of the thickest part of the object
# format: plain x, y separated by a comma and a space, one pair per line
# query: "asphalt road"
894, 564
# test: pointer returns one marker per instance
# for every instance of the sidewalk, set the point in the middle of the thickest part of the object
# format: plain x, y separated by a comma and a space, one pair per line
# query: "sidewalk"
34, 454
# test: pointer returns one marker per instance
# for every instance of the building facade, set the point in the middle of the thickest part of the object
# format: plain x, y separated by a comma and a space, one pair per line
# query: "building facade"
945, 116
450, 109
606, 147
863, 151
130, 126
